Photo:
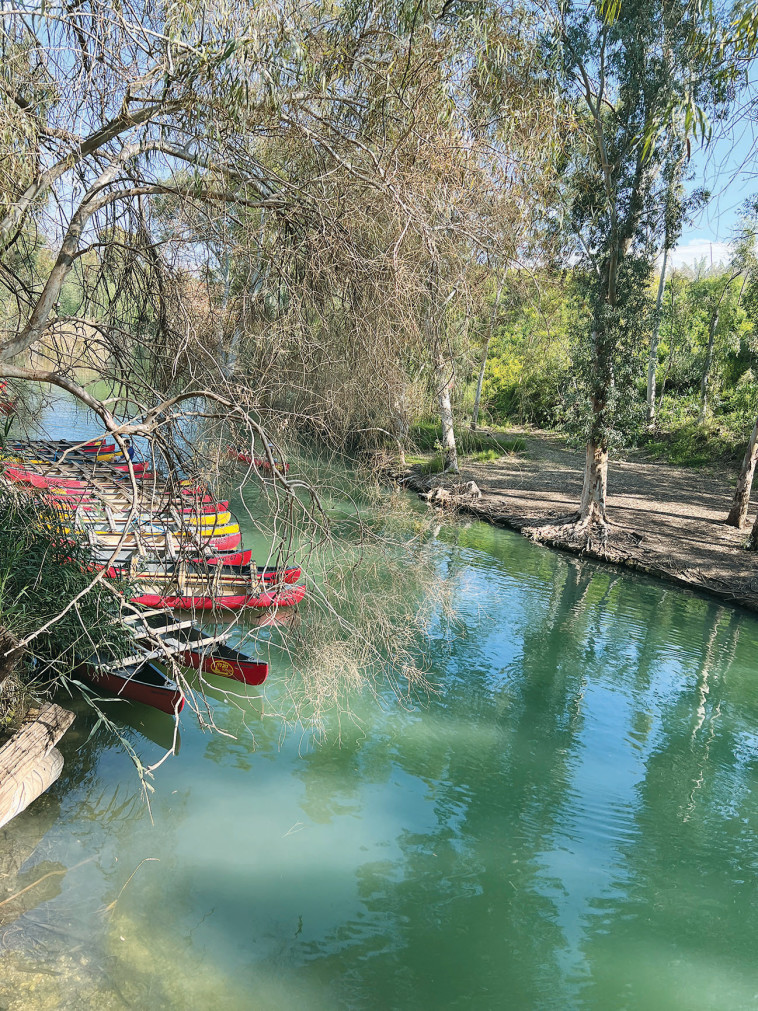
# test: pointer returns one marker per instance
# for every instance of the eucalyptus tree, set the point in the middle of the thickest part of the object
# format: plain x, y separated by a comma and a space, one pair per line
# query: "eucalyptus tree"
633, 74
673, 208
745, 262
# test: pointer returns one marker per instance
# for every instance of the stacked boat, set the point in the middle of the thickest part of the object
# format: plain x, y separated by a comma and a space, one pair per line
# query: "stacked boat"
181, 546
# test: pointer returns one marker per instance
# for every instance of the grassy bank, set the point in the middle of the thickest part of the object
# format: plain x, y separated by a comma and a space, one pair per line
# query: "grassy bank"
478, 446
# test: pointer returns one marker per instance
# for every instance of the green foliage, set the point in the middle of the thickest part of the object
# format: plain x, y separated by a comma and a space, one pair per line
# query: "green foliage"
528, 369
435, 465
536, 362
693, 445
427, 436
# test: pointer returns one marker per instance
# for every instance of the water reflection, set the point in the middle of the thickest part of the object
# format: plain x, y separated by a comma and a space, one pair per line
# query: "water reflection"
569, 821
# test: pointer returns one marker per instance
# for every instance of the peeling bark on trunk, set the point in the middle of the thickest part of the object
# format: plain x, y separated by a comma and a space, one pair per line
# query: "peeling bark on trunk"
444, 376
669, 364
652, 361
741, 501
399, 414
443, 368
595, 487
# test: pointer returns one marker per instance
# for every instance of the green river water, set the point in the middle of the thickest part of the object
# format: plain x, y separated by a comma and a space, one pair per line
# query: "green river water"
569, 821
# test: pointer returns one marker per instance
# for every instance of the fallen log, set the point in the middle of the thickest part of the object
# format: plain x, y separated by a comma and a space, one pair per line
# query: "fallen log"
30, 762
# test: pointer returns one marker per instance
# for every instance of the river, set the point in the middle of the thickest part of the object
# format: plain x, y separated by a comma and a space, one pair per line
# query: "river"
568, 821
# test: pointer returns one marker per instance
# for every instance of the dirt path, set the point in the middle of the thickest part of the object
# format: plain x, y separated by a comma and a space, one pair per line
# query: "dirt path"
667, 521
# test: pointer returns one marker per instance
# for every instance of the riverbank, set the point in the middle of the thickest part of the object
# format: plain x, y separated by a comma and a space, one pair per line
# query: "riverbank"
666, 521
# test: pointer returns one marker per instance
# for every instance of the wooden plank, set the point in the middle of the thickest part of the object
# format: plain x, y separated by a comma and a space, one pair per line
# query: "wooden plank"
25, 752
136, 658
199, 645
146, 614
162, 629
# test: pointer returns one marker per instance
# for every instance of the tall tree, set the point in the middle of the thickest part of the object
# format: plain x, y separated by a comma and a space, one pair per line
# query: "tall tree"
745, 258
623, 67
673, 206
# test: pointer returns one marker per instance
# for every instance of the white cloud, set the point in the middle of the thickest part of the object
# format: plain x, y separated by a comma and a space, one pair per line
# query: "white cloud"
687, 253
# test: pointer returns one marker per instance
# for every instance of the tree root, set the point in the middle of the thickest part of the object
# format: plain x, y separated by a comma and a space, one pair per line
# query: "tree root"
583, 534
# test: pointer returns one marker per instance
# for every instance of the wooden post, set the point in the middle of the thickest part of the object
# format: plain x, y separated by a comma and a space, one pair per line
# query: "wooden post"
30, 762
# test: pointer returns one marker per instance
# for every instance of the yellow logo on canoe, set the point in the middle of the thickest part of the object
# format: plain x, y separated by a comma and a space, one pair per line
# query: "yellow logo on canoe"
222, 667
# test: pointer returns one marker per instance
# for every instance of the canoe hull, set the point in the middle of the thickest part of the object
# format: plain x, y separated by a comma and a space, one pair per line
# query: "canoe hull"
249, 672
168, 699
260, 463
284, 598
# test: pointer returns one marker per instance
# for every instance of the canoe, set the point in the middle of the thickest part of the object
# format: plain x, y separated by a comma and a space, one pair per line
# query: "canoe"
86, 459
283, 598
87, 517
61, 445
225, 662
42, 456
194, 648
216, 570
220, 523
92, 446
64, 478
121, 498
107, 539
232, 563
105, 475
139, 681
260, 463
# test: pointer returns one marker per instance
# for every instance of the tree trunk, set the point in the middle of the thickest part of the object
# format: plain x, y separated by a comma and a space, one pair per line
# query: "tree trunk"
707, 368
670, 362
741, 501
595, 487
444, 376
652, 361
443, 368
399, 414
752, 541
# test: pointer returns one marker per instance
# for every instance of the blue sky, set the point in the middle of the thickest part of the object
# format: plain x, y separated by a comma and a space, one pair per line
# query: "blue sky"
729, 169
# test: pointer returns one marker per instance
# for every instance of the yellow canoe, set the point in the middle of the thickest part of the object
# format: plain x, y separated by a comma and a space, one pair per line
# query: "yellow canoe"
160, 530
217, 521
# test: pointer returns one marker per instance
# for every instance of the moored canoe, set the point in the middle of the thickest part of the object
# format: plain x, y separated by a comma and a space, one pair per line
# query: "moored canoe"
140, 681
289, 597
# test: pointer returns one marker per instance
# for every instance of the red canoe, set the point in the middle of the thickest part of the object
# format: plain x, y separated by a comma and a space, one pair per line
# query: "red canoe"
241, 560
283, 598
259, 462
206, 508
196, 649
228, 543
223, 661
141, 681
20, 476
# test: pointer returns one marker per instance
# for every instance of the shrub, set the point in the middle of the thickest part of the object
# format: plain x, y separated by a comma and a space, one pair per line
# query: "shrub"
43, 567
